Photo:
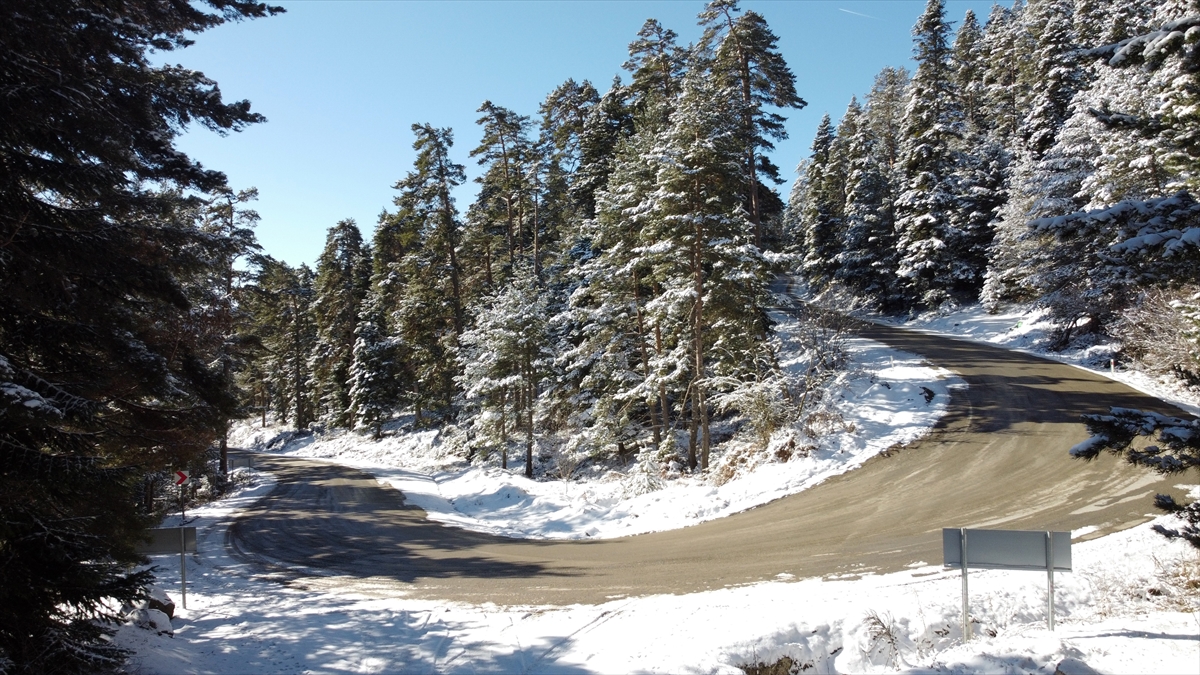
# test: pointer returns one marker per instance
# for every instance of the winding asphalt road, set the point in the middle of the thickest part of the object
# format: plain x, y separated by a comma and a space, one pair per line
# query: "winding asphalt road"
997, 459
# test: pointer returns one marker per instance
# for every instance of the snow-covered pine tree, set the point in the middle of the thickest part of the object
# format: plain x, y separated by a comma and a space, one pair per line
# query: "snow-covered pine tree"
864, 262
373, 394
569, 120
342, 280
503, 192
657, 65
419, 276
506, 357
822, 210
933, 128
746, 58
607, 122
703, 261
617, 392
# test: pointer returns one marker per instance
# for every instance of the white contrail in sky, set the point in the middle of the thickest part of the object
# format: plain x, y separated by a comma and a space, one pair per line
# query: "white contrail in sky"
868, 16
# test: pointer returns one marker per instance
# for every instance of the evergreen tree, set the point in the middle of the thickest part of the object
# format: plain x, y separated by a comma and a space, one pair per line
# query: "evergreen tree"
657, 65
607, 122
747, 61
1005, 49
704, 263
969, 63
933, 126
280, 301
506, 358
372, 374
864, 263
341, 283
503, 192
611, 381
217, 306
824, 203
100, 381
1055, 73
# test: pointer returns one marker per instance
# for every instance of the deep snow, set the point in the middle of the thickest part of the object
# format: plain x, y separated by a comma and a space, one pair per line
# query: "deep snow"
1125, 608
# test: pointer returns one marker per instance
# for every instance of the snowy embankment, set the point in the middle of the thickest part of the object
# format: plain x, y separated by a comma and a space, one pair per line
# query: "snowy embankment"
1130, 605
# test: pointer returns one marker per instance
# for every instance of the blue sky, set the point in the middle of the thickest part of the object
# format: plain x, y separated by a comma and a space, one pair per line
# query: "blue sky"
342, 81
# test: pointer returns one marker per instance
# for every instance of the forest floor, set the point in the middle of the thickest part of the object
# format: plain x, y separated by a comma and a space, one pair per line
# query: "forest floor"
1131, 605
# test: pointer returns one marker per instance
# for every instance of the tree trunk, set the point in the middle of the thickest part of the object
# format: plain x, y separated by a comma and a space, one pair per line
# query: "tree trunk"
503, 435
662, 390
693, 425
641, 327
529, 432
699, 401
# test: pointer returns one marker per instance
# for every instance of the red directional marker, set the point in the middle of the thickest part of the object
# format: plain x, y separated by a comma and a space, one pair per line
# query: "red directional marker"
182, 477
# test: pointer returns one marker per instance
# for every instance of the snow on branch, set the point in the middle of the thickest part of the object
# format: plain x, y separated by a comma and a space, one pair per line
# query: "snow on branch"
1151, 48
1169, 225
1180, 439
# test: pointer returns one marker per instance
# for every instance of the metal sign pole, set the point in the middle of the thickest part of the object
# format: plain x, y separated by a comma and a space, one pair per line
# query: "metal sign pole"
183, 566
1050, 581
966, 614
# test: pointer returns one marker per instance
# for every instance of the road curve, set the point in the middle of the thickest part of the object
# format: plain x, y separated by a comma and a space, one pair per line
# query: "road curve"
998, 458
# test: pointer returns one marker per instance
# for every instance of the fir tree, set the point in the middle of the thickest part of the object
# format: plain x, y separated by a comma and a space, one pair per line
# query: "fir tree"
824, 203
372, 374
101, 381
864, 263
341, 283
932, 127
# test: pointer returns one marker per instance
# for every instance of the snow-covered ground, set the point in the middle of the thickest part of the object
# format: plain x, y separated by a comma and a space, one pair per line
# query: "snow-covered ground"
1131, 605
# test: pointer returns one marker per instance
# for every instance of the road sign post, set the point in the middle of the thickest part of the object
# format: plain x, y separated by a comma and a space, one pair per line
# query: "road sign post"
1007, 550
966, 613
169, 540
181, 479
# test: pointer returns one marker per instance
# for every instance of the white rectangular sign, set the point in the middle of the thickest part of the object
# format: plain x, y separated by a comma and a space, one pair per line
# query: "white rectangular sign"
1007, 549
167, 540
1035, 550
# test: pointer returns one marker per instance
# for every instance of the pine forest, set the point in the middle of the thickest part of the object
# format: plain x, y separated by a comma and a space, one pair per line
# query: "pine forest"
604, 298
